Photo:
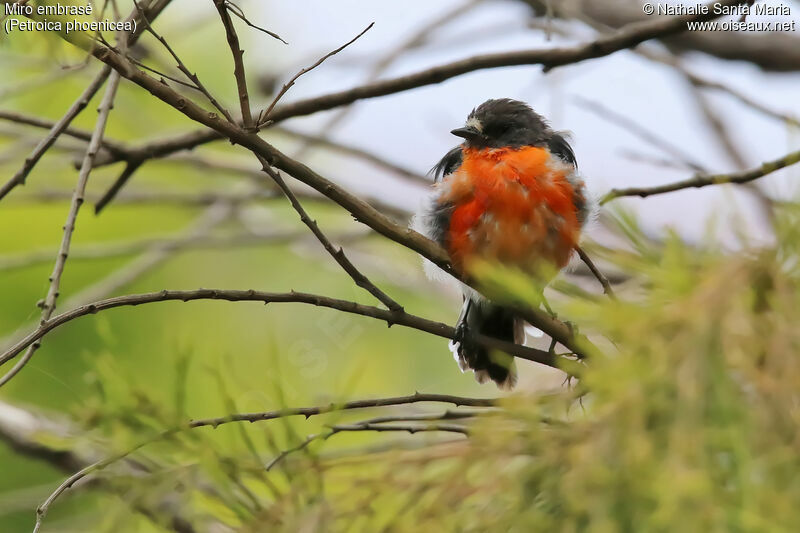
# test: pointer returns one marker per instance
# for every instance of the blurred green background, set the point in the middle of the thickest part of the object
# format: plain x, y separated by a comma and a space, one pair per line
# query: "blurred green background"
688, 423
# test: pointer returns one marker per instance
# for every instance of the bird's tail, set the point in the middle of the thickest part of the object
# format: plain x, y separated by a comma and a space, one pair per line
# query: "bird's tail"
480, 316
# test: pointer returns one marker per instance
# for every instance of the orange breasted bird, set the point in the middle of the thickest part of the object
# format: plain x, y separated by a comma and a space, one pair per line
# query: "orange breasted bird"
509, 194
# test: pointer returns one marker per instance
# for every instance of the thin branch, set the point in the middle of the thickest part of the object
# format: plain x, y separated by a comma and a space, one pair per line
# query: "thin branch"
238, 64
338, 254
130, 168
703, 180
422, 34
114, 148
236, 10
37, 153
182, 66
42, 510
30, 434
596, 272
368, 425
78, 195
390, 317
549, 58
156, 7
264, 118
361, 210
49, 303
706, 83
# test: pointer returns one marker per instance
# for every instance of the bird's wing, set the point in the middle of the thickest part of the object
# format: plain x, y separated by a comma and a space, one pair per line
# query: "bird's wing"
447, 165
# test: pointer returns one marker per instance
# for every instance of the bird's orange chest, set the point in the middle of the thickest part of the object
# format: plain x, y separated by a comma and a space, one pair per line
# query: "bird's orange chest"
515, 206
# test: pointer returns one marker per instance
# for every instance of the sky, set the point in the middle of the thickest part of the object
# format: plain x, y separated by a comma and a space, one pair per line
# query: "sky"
413, 127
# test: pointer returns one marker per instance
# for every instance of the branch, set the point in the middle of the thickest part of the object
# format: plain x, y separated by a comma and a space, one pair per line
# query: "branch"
236, 10
265, 118
703, 180
114, 148
182, 67
596, 272
390, 317
338, 254
639, 131
360, 210
180, 242
238, 65
55, 131
776, 51
156, 7
28, 434
41, 511
549, 58
49, 304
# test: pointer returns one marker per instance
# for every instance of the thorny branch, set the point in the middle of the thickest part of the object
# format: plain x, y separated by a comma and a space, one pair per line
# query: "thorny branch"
307, 412
401, 318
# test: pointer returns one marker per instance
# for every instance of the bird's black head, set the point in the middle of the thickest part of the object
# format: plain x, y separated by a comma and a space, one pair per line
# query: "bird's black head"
504, 122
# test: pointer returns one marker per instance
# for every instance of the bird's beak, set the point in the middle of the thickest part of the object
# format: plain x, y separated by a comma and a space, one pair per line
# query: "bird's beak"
470, 133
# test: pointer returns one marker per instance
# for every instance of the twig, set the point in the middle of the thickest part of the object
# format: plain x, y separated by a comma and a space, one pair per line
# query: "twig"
83, 100
703, 180
182, 66
264, 118
114, 148
55, 131
623, 38
390, 317
706, 83
236, 10
367, 426
130, 168
596, 272
361, 210
238, 64
41, 511
338, 254
49, 303
416, 40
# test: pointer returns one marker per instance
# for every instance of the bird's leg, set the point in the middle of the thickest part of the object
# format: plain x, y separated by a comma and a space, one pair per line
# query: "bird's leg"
573, 328
462, 329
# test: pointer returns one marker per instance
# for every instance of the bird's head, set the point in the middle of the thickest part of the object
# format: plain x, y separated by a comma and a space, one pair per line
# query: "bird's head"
503, 123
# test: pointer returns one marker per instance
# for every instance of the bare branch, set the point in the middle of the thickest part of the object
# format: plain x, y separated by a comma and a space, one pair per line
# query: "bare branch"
549, 58
361, 210
182, 66
596, 272
703, 180
238, 64
155, 8
236, 10
114, 148
49, 304
41, 511
56, 130
401, 318
264, 118
338, 254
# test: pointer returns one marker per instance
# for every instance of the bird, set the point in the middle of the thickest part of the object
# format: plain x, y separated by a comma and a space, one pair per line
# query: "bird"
511, 194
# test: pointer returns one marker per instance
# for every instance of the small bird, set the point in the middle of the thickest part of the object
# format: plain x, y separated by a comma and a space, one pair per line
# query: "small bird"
509, 194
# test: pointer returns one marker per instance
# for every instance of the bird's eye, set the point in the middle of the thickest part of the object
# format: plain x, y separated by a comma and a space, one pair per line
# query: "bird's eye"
499, 129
